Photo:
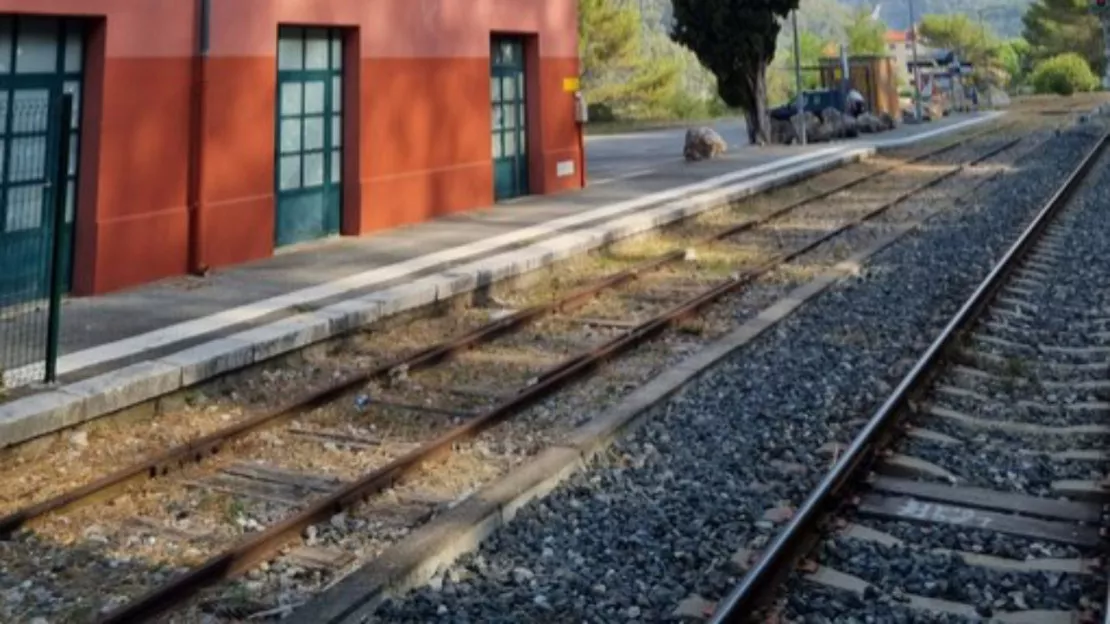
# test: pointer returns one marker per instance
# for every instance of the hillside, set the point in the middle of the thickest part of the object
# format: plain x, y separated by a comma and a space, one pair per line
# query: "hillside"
1003, 16
824, 17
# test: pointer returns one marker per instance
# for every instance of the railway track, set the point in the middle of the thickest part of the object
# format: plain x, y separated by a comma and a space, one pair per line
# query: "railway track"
978, 489
419, 409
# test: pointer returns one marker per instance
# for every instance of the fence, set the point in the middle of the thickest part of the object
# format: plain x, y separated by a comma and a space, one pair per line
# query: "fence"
35, 231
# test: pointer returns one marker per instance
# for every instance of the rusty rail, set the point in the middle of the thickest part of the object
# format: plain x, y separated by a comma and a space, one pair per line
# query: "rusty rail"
757, 587
260, 546
198, 450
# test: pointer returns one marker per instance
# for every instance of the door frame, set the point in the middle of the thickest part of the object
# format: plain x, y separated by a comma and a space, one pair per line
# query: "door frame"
333, 189
55, 84
527, 121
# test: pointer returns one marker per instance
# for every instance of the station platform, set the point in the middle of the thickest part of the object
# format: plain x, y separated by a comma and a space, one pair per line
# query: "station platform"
126, 348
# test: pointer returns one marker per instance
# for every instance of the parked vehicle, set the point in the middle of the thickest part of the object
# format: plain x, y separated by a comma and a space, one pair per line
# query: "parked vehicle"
816, 101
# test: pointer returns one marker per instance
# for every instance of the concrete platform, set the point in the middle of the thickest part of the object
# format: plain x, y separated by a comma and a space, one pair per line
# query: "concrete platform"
123, 349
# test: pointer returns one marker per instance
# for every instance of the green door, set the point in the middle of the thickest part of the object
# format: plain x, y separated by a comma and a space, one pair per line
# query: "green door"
309, 134
40, 59
510, 136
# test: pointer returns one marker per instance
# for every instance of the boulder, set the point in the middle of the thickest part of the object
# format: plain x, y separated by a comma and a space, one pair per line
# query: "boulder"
868, 123
782, 132
811, 122
832, 124
851, 129
887, 121
703, 144
995, 97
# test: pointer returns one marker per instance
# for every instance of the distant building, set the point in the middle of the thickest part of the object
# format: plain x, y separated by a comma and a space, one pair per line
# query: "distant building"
899, 44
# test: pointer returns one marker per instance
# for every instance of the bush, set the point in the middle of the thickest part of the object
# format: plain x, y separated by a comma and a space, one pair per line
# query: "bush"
1064, 74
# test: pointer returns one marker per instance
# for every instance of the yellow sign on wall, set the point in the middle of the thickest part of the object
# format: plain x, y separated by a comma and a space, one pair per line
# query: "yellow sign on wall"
570, 85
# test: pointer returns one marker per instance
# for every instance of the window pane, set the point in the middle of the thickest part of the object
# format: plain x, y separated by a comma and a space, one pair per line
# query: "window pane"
28, 159
74, 89
508, 88
336, 166
337, 51
290, 177
4, 93
510, 117
336, 94
510, 144
316, 49
523, 137
74, 51
6, 45
496, 121
508, 55
314, 97
520, 91
37, 47
291, 103
495, 90
497, 145
336, 131
24, 208
314, 133
30, 110
313, 169
73, 155
290, 136
71, 200
290, 52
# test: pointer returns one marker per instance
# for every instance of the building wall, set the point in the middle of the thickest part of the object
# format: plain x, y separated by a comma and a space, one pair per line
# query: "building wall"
416, 106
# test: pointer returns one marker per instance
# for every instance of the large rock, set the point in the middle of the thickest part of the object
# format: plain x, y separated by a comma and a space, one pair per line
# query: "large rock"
782, 132
811, 124
868, 123
887, 121
703, 144
832, 125
995, 97
851, 129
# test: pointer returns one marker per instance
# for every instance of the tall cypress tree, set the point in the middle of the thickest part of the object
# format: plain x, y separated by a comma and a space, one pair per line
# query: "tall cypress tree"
735, 39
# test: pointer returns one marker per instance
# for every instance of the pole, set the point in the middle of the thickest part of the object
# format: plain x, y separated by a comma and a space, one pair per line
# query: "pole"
798, 79
57, 251
916, 69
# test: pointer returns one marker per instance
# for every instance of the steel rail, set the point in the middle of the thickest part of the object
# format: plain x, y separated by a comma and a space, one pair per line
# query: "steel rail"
794, 541
196, 451
260, 546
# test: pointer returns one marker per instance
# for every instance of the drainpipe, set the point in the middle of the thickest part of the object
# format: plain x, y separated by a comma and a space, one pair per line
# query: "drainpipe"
198, 264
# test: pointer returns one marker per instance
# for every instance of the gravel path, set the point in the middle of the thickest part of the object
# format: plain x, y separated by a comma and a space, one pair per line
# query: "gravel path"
657, 519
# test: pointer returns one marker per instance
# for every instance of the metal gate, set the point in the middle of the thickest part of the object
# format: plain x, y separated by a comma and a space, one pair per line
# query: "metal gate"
40, 58
509, 105
309, 134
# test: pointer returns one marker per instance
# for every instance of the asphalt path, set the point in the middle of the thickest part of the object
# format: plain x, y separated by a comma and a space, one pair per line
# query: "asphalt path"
618, 156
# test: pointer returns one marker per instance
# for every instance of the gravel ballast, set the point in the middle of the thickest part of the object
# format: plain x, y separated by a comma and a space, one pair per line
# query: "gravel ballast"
1029, 369
716, 470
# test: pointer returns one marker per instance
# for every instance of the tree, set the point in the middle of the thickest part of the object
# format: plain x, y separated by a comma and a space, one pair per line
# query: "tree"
1054, 27
866, 36
1064, 75
972, 43
1013, 55
735, 39
617, 77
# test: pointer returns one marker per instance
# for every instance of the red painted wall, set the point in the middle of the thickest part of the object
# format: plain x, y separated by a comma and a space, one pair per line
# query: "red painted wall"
416, 105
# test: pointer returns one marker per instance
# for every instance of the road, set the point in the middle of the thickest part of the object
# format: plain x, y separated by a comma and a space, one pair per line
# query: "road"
616, 156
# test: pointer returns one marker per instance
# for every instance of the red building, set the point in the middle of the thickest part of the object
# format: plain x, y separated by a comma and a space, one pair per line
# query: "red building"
210, 132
